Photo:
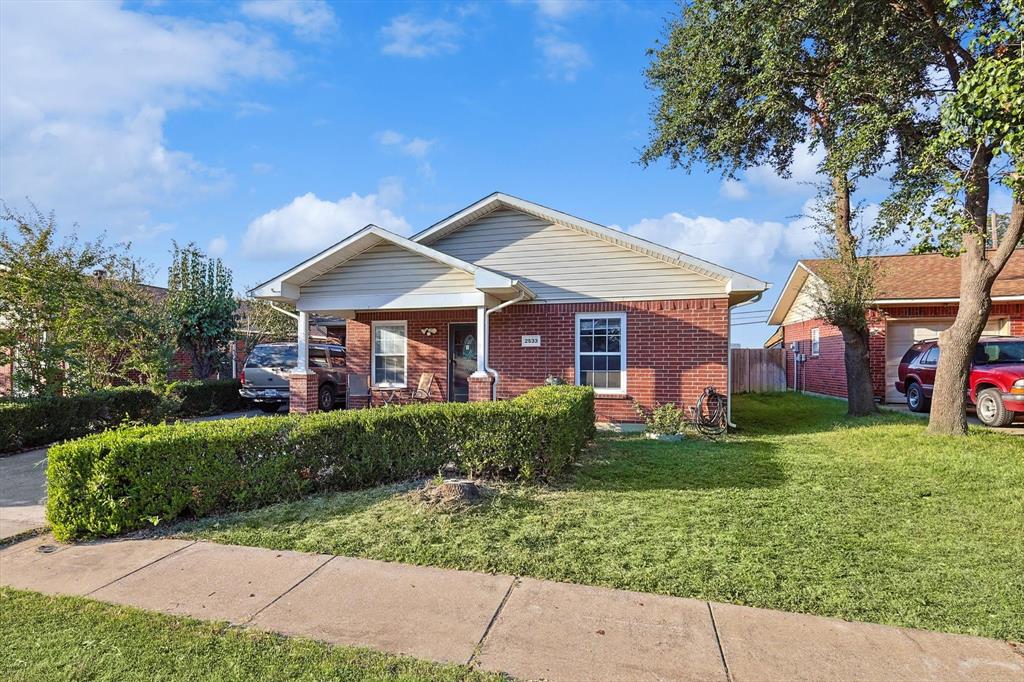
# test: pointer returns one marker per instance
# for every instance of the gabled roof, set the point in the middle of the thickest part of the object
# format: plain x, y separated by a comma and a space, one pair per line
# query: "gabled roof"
286, 285
909, 278
734, 281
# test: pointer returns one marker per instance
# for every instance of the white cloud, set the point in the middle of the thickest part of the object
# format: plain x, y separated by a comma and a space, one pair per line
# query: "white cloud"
803, 172
261, 168
86, 91
733, 189
563, 59
246, 109
308, 224
218, 246
559, 9
741, 244
309, 19
416, 147
411, 36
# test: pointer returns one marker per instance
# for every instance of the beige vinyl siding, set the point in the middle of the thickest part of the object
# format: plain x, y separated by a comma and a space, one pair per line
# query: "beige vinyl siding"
560, 264
805, 306
390, 270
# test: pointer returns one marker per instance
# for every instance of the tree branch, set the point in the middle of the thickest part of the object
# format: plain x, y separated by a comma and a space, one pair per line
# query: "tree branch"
1014, 232
950, 48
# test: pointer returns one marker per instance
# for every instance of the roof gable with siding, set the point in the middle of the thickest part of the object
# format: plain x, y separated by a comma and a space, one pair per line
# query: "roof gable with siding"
559, 263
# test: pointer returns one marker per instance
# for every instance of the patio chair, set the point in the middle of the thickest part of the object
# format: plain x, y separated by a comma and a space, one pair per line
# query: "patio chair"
421, 393
357, 391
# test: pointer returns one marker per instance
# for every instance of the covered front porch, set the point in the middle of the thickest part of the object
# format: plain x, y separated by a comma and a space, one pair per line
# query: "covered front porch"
410, 311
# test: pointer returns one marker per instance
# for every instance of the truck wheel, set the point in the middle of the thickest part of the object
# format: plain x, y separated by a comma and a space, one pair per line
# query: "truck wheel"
915, 398
325, 399
269, 408
990, 409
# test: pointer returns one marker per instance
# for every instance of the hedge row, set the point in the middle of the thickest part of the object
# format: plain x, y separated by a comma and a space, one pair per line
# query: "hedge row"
41, 421
130, 478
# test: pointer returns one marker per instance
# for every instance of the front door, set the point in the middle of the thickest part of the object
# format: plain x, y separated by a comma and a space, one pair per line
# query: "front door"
461, 360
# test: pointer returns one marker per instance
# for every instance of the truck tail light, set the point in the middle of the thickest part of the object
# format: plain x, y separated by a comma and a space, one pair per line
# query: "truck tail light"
241, 377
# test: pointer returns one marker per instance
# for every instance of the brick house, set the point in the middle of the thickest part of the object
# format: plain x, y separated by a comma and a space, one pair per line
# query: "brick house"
505, 293
916, 298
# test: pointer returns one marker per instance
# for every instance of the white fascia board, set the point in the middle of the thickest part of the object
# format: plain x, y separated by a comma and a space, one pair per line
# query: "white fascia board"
789, 293
730, 278
927, 301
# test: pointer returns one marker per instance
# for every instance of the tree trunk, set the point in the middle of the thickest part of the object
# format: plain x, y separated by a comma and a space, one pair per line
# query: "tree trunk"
860, 396
956, 344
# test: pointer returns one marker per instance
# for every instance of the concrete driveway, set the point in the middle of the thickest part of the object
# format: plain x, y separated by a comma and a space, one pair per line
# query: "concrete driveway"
23, 485
22, 492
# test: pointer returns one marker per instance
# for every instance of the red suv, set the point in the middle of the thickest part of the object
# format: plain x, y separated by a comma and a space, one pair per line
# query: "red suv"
996, 382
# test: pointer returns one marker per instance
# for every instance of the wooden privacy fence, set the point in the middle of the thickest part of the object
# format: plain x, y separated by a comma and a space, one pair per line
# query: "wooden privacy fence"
758, 370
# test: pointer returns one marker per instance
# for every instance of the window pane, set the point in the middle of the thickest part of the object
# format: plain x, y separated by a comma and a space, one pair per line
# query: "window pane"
601, 362
601, 324
615, 362
613, 344
613, 325
614, 379
586, 325
600, 344
586, 362
586, 344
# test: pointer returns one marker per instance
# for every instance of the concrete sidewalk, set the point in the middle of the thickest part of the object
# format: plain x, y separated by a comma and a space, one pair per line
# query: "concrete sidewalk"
527, 628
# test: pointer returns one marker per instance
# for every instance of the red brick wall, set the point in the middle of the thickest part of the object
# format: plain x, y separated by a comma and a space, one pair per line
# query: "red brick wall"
6, 381
674, 348
827, 374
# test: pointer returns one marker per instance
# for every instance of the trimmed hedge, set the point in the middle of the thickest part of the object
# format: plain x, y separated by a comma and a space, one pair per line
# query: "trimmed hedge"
195, 398
30, 422
40, 421
129, 478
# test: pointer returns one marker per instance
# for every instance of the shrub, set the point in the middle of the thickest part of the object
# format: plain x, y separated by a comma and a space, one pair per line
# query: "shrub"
129, 478
213, 396
666, 419
30, 422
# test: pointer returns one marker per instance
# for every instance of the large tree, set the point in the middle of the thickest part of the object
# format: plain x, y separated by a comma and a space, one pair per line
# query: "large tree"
745, 83
74, 316
201, 306
965, 136
259, 321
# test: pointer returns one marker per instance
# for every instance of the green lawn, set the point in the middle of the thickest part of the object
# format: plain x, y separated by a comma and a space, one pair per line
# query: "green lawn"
803, 510
69, 638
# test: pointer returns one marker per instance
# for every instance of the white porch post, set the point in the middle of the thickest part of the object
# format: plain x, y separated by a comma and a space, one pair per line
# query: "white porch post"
303, 364
481, 342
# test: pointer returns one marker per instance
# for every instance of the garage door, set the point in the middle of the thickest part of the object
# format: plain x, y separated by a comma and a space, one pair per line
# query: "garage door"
899, 336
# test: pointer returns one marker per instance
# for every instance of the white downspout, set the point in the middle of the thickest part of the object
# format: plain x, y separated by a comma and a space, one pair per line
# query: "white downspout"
728, 370
487, 340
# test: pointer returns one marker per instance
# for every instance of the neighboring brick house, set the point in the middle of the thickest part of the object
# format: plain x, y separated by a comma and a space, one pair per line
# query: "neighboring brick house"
916, 298
505, 293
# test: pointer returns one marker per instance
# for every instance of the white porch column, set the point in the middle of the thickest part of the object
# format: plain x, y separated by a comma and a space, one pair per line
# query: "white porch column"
481, 342
303, 364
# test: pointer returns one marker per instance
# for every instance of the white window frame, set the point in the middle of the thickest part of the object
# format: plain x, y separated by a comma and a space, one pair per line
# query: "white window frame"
622, 349
373, 352
816, 342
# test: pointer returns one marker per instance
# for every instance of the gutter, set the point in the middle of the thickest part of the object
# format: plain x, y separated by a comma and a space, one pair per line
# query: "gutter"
728, 364
523, 295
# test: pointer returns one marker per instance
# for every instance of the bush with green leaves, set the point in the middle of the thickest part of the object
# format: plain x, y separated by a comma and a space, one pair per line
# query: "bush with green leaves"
131, 478
666, 420
213, 396
40, 421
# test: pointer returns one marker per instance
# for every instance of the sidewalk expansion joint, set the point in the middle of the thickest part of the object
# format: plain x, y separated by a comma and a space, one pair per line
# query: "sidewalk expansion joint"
718, 641
497, 612
273, 601
147, 565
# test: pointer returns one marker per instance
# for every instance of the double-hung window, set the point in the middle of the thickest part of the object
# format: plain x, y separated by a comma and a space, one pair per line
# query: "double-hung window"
389, 354
601, 351
816, 341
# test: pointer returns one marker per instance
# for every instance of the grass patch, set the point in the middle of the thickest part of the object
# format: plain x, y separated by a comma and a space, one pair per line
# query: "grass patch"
804, 510
70, 638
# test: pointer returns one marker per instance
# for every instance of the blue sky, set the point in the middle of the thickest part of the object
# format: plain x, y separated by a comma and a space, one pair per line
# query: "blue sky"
264, 131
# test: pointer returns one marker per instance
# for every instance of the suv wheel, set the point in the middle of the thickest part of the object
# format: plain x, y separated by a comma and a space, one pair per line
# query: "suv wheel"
915, 398
325, 398
990, 409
